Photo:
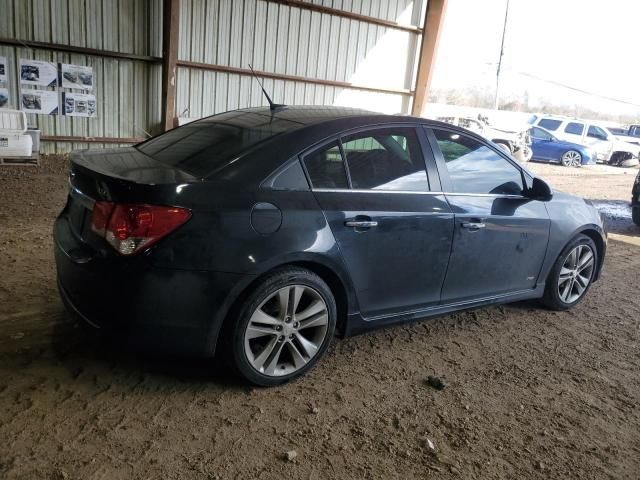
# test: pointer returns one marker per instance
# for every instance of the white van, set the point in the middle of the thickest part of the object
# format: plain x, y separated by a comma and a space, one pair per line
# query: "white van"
607, 147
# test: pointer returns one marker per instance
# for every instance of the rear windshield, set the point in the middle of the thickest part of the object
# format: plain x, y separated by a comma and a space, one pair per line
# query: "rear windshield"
200, 148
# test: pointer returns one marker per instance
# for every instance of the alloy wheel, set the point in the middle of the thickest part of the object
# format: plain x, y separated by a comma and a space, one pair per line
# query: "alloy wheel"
286, 330
576, 273
572, 159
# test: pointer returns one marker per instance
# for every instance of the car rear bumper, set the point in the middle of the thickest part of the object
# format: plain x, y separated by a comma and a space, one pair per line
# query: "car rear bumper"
166, 308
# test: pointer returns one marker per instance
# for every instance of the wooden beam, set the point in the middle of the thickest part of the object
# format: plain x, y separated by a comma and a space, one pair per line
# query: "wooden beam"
433, 22
292, 78
57, 47
70, 139
170, 32
345, 14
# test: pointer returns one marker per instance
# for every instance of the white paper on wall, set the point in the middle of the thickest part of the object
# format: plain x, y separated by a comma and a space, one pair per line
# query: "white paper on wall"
36, 72
44, 102
4, 97
79, 105
3, 71
76, 76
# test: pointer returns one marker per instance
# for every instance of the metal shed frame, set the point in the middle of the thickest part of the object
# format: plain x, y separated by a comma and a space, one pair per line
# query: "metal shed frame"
430, 33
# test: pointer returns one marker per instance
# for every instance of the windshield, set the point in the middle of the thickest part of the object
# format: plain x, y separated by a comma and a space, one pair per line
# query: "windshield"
200, 148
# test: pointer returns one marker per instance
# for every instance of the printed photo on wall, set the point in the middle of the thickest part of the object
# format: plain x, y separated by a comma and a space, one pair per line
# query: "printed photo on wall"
79, 105
76, 76
4, 97
44, 102
3, 70
36, 72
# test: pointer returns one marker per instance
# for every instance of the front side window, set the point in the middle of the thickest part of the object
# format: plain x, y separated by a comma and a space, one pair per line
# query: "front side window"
326, 167
540, 134
386, 159
550, 124
574, 128
596, 132
475, 168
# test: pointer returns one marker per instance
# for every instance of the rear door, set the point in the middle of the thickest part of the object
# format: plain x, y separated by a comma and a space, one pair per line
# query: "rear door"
574, 132
500, 237
393, 231
597, 139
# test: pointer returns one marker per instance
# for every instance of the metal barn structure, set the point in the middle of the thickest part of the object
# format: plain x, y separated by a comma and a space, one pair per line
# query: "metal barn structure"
158, 63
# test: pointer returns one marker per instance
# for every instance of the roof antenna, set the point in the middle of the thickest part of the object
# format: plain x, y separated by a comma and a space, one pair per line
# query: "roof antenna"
272, 106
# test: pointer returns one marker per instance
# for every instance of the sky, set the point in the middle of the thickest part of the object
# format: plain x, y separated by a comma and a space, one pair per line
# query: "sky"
587, 44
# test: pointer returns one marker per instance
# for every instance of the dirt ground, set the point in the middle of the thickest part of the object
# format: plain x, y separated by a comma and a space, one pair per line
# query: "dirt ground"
529, 393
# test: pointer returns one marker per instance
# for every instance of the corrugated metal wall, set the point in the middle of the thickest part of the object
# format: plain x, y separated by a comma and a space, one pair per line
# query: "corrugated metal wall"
294, 41
274, 37
127, 91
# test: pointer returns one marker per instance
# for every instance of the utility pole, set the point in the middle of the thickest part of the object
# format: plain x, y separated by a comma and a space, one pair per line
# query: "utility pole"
496, 104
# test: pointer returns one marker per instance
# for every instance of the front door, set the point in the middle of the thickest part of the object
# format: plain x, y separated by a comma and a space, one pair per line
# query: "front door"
500, 237
393, 233
597, 139
542, 144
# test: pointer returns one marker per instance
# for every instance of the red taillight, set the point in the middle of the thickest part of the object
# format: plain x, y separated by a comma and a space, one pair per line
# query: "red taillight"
131, 227
101, 213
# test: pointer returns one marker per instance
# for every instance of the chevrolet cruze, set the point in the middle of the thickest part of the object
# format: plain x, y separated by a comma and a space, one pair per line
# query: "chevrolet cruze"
262, 233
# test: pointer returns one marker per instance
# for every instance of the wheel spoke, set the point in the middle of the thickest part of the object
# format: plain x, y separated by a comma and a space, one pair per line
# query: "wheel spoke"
298, 359
283, 301
271, 363
308, 348
297, 295
259, 316
573, 258
582, 282
255, 331
566, 290
317, 320
586, 260
565, 274
260, 360
316, 307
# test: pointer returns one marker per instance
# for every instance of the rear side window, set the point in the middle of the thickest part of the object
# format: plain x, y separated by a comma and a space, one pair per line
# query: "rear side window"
550, 124
386, 159
202, 147
475, 168
574, 128
326, 167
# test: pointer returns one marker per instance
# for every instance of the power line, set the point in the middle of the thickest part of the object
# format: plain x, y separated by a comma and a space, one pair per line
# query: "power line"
575, 89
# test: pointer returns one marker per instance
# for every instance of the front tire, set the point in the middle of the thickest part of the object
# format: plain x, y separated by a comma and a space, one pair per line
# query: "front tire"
571, 158
572, 274
284, 327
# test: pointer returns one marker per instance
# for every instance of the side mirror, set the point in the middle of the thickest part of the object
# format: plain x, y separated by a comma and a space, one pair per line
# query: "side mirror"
540, 190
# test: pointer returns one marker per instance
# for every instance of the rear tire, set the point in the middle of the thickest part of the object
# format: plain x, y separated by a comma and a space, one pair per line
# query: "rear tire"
572, 274
285, 325
635, 215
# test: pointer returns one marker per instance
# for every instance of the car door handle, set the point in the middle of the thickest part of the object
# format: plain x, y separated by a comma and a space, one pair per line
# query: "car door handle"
361, 223
473, 225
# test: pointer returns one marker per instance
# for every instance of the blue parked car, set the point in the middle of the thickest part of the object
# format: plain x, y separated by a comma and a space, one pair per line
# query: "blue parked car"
548, 148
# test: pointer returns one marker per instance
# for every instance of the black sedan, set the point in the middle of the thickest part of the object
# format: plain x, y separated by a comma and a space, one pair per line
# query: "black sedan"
262, 233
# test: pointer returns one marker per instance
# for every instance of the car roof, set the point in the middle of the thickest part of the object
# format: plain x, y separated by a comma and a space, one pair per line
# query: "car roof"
307, 127
307, 115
